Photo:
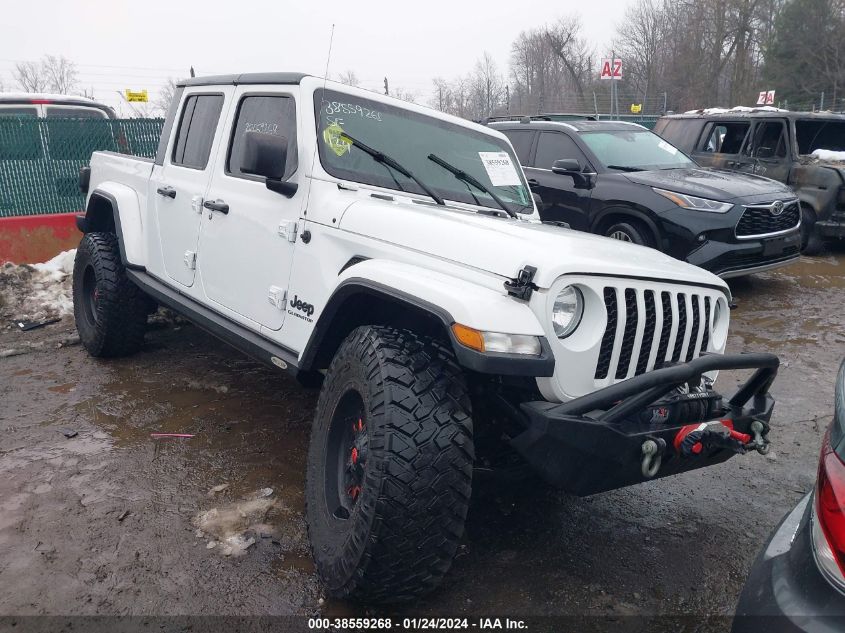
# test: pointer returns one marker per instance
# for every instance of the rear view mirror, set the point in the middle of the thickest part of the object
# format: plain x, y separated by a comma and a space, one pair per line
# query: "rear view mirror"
566, 166
266, 155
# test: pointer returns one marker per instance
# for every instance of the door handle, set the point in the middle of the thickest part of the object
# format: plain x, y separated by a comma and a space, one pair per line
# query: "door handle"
167, 192
216, 205
532, 182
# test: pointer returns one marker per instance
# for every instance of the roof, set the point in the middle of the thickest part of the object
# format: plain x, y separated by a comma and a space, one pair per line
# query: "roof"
244, 78
574, 125
29, 97
755, 113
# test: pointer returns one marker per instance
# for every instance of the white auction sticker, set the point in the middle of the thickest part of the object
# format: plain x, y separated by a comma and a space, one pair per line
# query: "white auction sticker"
499, 169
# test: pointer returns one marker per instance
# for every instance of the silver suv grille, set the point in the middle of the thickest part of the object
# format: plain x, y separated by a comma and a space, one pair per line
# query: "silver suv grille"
768, 219
677, 323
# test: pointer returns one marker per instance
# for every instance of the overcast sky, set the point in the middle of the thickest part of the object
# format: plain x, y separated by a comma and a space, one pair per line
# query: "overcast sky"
118, 45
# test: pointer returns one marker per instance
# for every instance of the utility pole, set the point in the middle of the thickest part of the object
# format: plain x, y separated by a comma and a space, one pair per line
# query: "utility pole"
440, 96
386, 91
507, 100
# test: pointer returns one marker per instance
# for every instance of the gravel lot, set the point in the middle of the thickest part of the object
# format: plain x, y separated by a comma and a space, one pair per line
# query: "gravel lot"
111, 521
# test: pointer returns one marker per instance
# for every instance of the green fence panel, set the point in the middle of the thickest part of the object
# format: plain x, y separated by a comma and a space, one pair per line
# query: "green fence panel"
40, 159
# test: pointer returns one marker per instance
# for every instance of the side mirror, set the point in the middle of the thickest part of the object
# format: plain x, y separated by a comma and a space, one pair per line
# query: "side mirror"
266, 155
566, 166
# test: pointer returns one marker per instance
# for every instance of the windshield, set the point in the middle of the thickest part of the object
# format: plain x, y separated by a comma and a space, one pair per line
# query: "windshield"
409, 138
634, 150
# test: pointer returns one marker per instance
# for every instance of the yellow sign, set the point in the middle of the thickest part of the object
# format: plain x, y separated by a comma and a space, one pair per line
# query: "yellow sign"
140, 95
333, 137
636, 108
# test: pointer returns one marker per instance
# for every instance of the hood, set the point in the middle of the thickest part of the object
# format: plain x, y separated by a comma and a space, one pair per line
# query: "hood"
503, 246
715, 184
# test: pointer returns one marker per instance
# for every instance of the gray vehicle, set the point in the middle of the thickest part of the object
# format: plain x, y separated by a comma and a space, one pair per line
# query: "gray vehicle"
776, 144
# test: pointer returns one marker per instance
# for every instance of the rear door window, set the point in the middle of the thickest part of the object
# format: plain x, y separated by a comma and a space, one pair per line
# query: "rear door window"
197, 126
273, 115
62, 112
521, 141
769, 140
724, 137
554, 146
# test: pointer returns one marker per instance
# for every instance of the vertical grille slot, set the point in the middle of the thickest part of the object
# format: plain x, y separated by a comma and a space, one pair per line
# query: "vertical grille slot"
682, 327
606, 350
705, 339
696, 321
648, 332
666, 302
630, 334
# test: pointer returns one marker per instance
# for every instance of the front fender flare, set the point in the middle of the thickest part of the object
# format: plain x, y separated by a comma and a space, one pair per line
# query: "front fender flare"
447, 299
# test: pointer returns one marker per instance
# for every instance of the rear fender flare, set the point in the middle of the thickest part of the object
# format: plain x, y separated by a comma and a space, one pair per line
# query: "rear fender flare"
115, 207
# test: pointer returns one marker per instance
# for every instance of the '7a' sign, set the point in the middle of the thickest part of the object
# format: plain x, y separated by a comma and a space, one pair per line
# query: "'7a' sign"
611, 68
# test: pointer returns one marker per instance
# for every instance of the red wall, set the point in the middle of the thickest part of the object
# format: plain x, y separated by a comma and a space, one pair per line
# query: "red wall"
37, 238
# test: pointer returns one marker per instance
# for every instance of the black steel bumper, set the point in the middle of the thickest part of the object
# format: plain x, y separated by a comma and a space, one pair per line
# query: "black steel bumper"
628, 433
785, 591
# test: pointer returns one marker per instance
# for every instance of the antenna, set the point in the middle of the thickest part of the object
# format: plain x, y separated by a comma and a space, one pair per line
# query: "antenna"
317, 140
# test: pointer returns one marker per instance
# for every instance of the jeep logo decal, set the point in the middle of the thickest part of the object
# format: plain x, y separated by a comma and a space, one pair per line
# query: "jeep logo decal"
777, 208
298, 304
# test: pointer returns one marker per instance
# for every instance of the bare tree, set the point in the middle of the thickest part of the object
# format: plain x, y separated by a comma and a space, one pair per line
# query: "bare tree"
60, 73
405, 95
29, 77
165, 97
349, 78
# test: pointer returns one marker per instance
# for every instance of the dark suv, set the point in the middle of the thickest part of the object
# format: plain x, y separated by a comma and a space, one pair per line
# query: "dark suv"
804, 150
620, 180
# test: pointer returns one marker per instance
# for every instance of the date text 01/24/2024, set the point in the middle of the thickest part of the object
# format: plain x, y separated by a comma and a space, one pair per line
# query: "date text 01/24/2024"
416, 624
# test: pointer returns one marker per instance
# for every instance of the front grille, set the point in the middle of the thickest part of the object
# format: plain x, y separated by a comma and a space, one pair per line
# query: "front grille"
677, 324
758, 220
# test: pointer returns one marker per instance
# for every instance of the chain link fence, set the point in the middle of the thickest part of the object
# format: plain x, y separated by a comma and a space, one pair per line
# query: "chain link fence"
40, 159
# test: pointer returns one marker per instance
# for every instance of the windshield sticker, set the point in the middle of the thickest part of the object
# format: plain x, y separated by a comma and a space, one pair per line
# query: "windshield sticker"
499, 169
338, 107
333, 137
667, 148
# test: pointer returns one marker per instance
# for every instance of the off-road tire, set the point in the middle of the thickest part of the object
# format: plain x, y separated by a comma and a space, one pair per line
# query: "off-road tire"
110, 311
399, 536
811, 242
635, 233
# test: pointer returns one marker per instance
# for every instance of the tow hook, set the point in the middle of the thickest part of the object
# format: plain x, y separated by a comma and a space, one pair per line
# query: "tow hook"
694, 438
760, 443
652, 457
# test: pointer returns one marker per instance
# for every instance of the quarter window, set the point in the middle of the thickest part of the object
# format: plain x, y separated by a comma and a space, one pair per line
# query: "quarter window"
273, 115
196, 130
521, 141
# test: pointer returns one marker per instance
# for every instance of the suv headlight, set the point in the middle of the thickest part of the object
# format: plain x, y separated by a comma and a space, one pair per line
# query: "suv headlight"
693, 202
567, 311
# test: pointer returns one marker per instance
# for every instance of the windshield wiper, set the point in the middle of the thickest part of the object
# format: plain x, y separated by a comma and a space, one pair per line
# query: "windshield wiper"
468, 178
381, 157
624, 168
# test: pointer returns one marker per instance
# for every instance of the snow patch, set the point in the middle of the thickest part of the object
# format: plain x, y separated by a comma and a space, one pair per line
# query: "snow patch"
828, 154
735, 109
38, 291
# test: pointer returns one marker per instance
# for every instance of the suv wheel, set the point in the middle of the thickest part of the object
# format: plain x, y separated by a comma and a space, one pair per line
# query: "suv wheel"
389, 466
628, 232
110, 311
811, 243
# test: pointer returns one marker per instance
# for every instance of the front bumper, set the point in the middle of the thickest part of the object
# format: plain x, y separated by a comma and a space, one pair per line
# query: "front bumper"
785, 592
598, 442
830, 229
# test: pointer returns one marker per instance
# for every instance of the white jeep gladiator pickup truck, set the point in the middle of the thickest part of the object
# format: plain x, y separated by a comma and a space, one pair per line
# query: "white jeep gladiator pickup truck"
393, 256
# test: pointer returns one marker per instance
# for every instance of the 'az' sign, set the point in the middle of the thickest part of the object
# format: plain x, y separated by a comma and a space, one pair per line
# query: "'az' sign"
611, 68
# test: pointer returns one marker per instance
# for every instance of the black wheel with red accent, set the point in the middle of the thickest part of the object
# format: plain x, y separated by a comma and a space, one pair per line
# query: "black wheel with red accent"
110, 311
389, 466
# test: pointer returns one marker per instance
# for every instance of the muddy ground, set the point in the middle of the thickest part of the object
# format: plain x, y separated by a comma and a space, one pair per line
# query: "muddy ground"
112, 521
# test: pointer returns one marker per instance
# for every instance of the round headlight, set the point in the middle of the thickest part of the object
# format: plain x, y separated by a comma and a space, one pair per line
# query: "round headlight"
567, 311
